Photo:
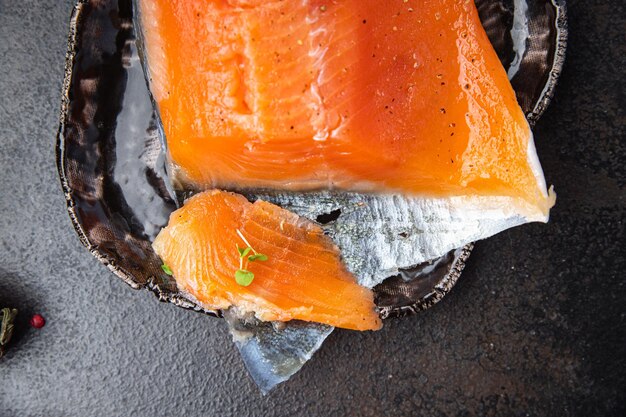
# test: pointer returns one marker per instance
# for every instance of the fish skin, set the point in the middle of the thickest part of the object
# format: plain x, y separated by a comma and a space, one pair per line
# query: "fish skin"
271, 353
379, 235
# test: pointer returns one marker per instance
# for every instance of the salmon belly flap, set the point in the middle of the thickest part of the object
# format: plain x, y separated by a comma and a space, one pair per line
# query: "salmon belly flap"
374, 96
301, 278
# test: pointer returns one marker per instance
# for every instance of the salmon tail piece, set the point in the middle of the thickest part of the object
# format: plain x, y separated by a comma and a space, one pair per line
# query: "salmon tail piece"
296, 270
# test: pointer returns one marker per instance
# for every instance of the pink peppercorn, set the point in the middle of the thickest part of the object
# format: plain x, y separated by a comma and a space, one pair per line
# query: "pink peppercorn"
37, 321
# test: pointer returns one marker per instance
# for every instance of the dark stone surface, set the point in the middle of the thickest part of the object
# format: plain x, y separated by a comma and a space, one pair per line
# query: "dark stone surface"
536, 325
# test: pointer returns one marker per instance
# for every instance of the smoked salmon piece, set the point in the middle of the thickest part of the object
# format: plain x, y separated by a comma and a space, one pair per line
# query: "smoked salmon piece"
395, 96
302, 278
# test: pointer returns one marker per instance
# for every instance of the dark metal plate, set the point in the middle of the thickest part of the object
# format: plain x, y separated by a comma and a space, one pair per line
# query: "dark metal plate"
112, 169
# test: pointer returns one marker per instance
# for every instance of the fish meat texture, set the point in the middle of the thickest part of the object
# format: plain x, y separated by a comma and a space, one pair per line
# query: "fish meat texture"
301, 278
365, 96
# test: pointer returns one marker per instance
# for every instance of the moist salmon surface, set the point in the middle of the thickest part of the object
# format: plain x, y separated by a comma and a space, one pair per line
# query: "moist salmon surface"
303, 277
402, 96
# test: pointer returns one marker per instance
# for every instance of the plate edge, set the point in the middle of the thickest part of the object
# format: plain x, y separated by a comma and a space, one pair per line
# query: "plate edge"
70, 55
547, 94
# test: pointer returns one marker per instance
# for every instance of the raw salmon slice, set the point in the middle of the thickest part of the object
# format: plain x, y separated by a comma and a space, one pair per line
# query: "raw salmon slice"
379, 95
303, 277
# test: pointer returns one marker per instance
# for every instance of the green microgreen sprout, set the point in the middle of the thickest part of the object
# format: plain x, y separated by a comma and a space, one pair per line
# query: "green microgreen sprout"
244, 277
166, 269
257, 257
243, 252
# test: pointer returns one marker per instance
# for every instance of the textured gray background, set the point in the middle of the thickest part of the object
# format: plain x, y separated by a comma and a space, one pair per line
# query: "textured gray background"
536, 325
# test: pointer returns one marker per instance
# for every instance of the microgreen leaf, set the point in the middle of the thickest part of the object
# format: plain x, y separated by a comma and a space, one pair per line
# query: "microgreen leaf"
257, 257
243, 252
166, 269
243, 277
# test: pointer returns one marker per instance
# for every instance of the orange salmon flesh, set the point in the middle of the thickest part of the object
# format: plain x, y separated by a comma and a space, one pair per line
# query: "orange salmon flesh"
361, 95
303, 277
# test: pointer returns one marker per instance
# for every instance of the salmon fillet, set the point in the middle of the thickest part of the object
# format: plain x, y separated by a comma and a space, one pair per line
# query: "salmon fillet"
303, 277
380, 95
